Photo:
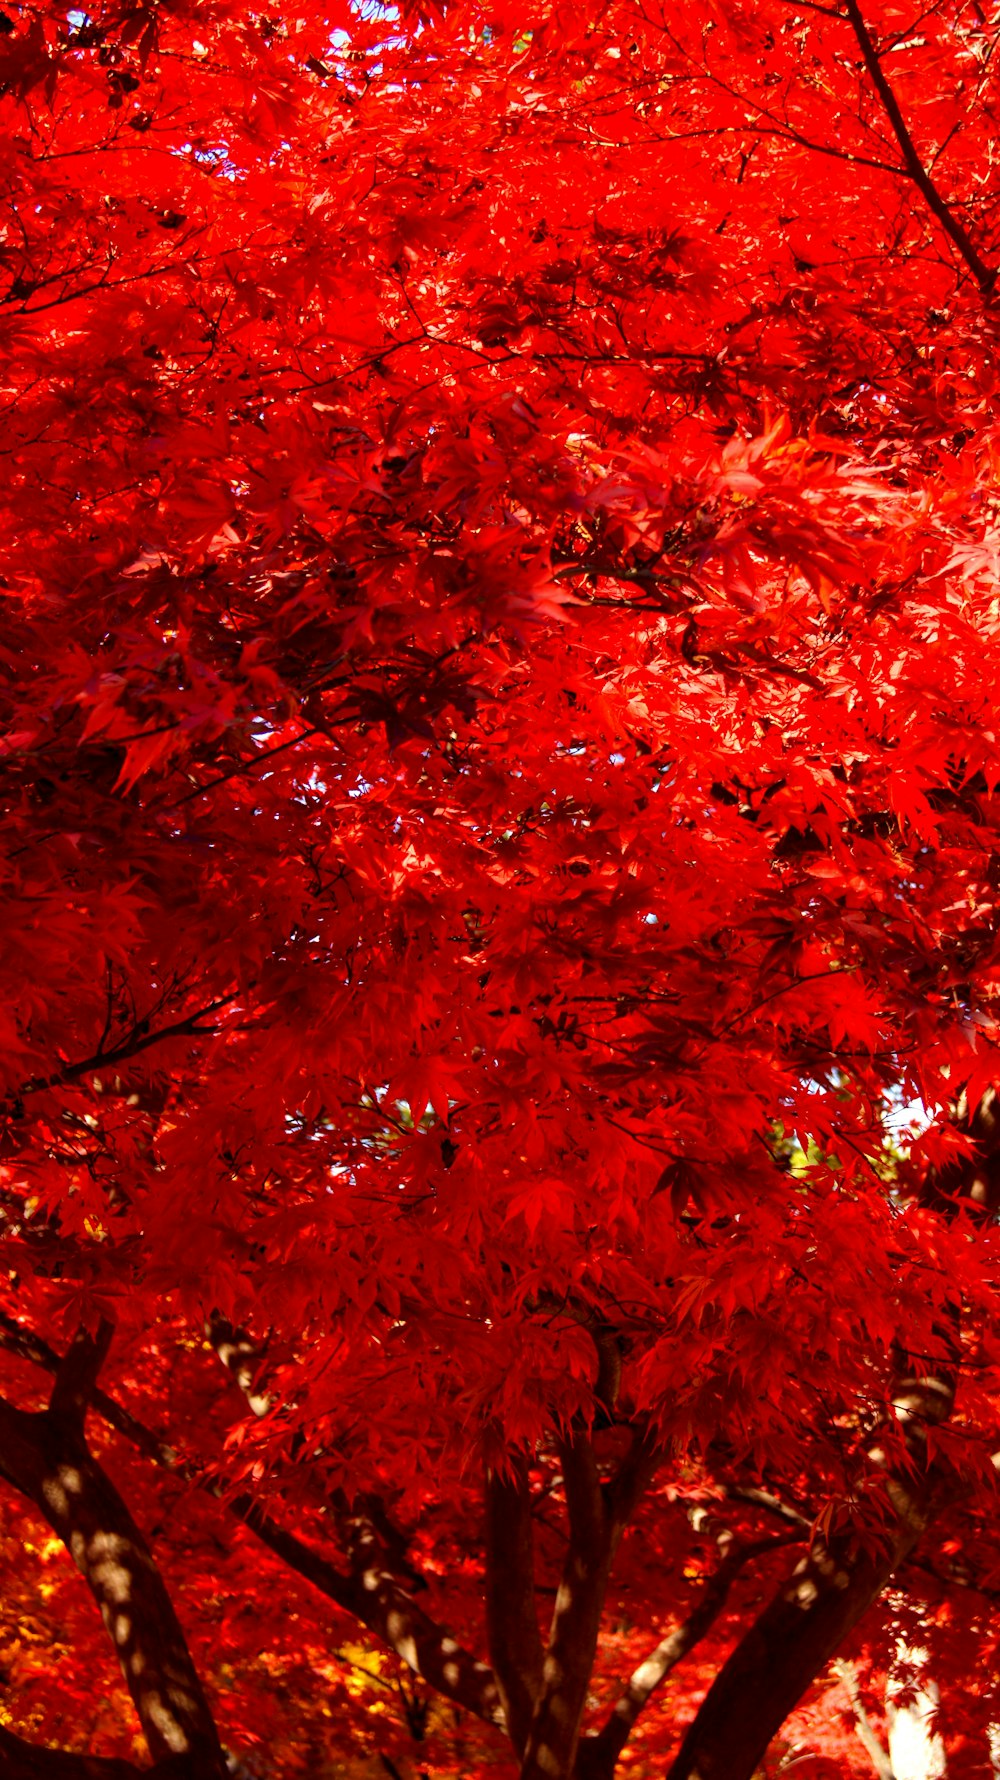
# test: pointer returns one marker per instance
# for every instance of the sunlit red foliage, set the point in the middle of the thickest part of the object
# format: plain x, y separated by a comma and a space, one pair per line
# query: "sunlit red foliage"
499, 543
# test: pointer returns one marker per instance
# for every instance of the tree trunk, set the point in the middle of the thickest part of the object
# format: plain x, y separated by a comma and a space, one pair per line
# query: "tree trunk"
550, 1751
827, 1593
770, 1669
597, 1754
516, 1649
46, 1457
382, 1603
598, 1514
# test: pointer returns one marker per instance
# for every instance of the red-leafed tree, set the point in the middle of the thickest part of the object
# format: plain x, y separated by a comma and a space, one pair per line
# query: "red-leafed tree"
499, 539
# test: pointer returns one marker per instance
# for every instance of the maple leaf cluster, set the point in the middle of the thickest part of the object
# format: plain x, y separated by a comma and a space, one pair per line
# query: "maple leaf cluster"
501, 836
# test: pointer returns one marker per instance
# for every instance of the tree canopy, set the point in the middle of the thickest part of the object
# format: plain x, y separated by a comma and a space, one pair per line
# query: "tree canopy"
499, 1165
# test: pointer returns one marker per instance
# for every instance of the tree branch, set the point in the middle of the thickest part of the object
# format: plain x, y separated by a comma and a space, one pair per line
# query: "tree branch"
631, 1481
984, 275
375, 1598
826, 1595
771, 1505
77, 1373
242, 1358
598, 1755
598, 1515
554, 1732
46, 1458
870, 1742
131, 1047
20, 1760
796, 1635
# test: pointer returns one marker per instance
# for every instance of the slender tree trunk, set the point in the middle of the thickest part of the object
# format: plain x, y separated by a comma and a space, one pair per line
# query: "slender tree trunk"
799, 1631
828, 1592
516, 1649
598, 1514
377, 1598
550, 1752
550, 1749
597, 1754
46, 1457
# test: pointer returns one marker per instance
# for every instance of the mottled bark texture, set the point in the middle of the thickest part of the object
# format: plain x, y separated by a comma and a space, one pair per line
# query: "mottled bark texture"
45, 1456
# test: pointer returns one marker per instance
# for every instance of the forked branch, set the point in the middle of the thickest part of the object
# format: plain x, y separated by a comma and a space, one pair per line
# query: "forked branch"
598, 1755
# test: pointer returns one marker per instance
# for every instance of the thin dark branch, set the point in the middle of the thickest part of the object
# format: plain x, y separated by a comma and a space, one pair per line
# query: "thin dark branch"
984, 275
187, 1027
245, 766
